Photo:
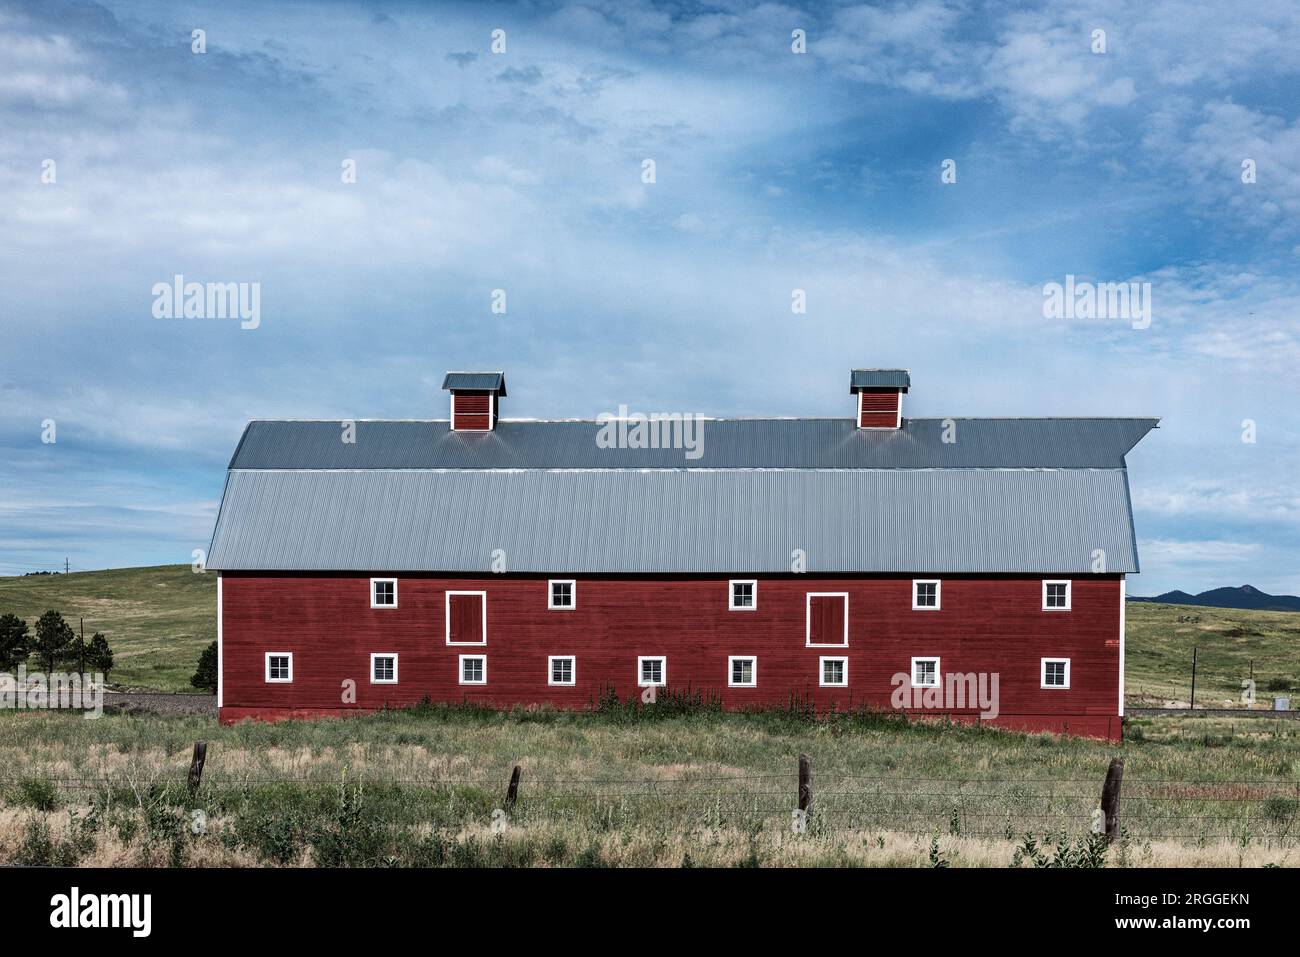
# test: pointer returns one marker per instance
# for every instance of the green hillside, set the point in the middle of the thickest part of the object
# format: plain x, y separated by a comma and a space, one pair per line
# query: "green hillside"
157, 620
1159, 660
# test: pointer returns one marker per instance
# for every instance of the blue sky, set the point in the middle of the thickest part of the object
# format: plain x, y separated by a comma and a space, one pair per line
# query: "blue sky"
522, 171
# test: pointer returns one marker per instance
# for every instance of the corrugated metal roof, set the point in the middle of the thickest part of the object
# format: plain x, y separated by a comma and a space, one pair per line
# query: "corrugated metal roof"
879, 379
727, 444
476, 381
675, 521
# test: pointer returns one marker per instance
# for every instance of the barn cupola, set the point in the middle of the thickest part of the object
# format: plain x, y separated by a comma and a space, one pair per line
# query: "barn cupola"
879, 397
474, 399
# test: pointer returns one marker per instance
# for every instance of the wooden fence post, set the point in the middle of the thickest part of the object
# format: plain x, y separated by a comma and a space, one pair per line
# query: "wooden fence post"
512, 792
1110, 798
1193, 707
196, 766
805, 784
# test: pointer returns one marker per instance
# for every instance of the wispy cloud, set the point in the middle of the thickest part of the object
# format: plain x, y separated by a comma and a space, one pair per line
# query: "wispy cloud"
523, 171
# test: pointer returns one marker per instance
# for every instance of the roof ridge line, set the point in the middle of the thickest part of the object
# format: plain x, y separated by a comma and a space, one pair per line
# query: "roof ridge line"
764, 418
479, 470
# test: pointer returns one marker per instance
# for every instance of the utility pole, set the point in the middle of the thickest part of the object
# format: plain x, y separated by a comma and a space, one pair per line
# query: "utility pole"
65, 564
81, 649
1193, 678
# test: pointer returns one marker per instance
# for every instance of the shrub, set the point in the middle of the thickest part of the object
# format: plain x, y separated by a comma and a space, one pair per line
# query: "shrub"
1085, 852
40, 848
38, 792
205, 676
1280, 809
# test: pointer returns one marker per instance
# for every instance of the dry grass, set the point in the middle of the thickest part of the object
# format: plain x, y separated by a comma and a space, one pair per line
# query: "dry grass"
564, 844
421, 787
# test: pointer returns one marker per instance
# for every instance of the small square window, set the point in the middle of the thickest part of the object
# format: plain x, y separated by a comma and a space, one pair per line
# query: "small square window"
563, 594
383, 593
1056, 673
473, 669
279, 666
560, 670
834, 672
925, 672
652, 672
1056, 595
742, 672
744, 595
925, 595
383, 669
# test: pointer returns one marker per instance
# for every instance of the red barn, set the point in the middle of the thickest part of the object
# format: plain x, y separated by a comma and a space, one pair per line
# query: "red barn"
967, 567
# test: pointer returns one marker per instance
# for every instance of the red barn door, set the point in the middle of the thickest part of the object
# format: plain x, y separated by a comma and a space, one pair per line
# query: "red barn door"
466, 621
827, 615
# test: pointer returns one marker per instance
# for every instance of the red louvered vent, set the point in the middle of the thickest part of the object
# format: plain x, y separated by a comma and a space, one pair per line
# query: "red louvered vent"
474, 399
879, 397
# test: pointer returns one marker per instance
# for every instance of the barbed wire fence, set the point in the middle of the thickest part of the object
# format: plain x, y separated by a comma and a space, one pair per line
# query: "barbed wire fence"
1191, 812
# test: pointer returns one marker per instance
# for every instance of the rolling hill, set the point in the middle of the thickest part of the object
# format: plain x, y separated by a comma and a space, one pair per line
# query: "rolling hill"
157, 619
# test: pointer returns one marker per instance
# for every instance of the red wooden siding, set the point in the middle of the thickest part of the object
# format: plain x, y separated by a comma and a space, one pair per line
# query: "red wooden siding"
472, 410
986, 624
878, 408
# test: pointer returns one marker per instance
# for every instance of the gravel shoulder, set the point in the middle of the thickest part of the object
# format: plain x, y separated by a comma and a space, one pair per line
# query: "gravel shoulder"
161, 702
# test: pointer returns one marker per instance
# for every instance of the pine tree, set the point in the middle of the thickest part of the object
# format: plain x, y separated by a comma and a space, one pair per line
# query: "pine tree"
99, 656
15, 643
53, 637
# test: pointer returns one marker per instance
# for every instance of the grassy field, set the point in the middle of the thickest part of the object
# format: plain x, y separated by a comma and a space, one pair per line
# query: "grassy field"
157, 620
619, 787
1159, 654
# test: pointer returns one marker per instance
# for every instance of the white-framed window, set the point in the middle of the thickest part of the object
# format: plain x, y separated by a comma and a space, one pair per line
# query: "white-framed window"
279, 667
742, 594
1056, 596
925, 672
925, 594
383, 669
742, 671
562, 594
833, 672
473, 669
651, 671
466, 617
561, 670
1055, 673
826, 619
383, 593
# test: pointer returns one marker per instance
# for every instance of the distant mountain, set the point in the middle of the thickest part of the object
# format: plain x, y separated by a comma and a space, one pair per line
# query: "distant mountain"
1247, 596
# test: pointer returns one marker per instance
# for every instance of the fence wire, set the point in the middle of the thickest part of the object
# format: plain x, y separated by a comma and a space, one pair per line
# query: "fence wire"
1187, 811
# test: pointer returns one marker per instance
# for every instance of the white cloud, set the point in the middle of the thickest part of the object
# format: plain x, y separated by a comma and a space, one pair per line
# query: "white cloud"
1166, 551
